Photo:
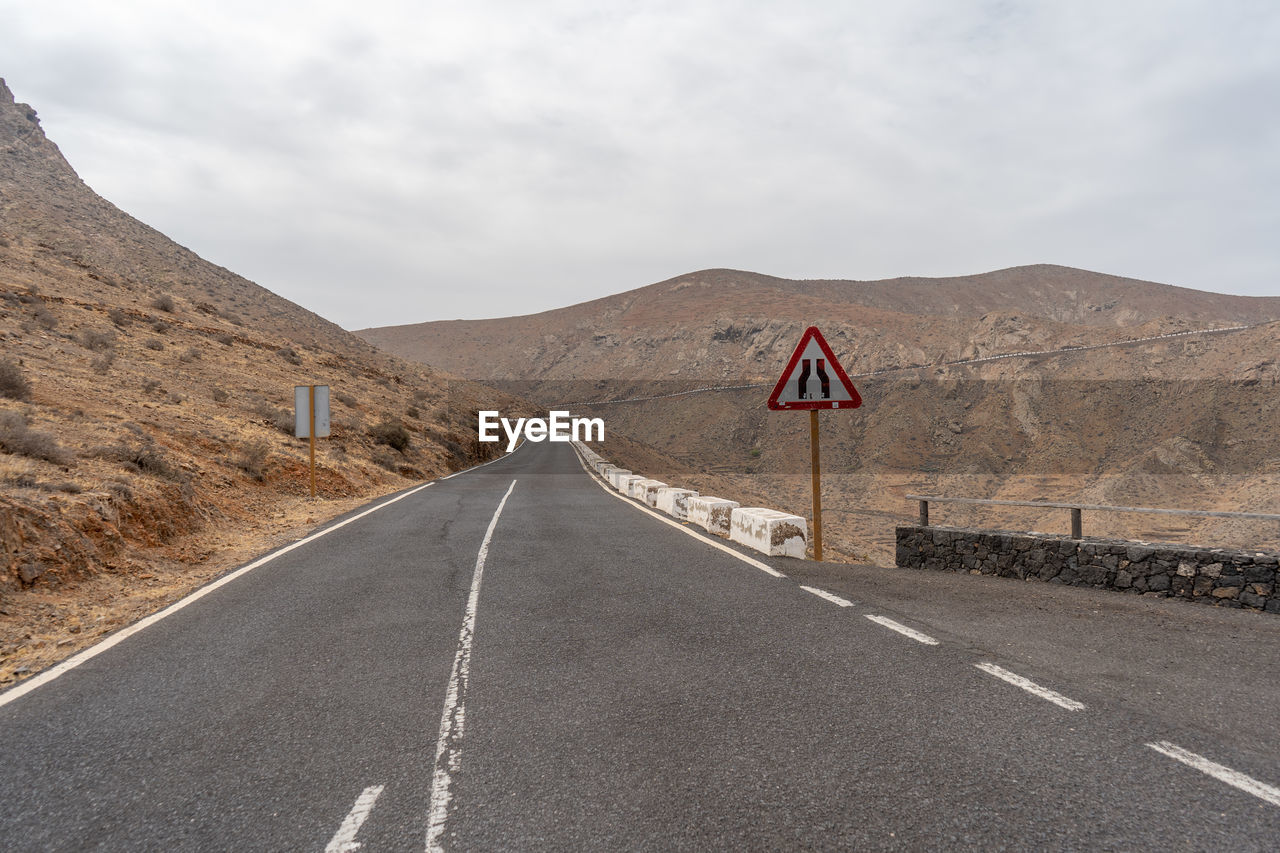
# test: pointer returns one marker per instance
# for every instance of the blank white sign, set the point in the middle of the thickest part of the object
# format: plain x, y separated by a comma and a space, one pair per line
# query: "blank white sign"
302, 411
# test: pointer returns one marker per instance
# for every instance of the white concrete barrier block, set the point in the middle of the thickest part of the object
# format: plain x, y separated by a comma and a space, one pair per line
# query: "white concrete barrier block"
625, 481
769, 531
616, 474
675, 502
605, 470
711, 513
647, 491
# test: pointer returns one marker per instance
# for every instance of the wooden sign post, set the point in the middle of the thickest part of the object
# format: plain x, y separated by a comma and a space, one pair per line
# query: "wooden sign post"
817, 484
806, 384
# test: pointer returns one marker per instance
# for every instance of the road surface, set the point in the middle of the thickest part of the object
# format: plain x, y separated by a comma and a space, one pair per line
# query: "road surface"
515, 658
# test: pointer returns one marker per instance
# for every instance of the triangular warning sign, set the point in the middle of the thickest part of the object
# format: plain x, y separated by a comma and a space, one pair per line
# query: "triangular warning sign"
814, 379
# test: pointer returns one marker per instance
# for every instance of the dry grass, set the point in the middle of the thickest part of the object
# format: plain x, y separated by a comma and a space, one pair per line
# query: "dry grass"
13, 384
17, 437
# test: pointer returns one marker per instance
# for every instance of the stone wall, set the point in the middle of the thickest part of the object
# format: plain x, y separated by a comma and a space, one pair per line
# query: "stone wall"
1245, 579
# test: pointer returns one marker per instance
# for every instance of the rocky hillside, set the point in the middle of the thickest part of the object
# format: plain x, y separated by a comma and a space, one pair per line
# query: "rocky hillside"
146, 411
721, 324
1182, 421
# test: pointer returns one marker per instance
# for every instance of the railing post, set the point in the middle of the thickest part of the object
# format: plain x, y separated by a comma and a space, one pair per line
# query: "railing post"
1075, 523
924, 513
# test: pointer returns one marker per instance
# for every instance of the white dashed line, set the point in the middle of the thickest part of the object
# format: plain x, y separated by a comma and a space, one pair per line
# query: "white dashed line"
822, 593
904, 630
1233, 778
344, 840
1030, 686
452, 720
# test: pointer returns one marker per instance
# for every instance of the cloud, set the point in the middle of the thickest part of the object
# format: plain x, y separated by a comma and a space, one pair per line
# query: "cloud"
390, 164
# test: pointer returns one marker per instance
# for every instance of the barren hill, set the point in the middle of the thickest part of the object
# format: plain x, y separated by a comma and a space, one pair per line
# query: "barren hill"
146, 423
726, 323
1184, 421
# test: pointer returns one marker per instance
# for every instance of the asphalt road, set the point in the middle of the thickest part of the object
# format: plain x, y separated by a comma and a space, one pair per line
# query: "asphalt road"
516, 659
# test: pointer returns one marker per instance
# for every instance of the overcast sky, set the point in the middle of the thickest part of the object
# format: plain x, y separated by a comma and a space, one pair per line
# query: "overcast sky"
391, 162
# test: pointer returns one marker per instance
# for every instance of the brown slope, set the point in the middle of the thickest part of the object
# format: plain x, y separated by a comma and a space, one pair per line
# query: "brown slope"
723, 323
146, 411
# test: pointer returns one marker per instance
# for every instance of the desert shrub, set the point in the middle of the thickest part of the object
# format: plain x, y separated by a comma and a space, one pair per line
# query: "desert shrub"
413, 412
252, 459
346, 400
119, 490
281, 419
421, 395
159, 327
219, 395
176, 398
233, 319
206, 308
392, 433
103, 362
387, 459
154, 344
44, 319
151, 386
61, 486
97, 340
226, 340
164, 302
12, 383
22, 480
189, 355
18, 438
118, 316
143, 457
290, 355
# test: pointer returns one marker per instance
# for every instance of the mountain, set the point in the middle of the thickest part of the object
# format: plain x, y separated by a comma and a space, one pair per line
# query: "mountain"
727, 323
1116, 398
146, 411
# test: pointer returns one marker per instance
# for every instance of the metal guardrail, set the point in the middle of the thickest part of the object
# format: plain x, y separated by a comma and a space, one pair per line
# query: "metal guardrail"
1078, 508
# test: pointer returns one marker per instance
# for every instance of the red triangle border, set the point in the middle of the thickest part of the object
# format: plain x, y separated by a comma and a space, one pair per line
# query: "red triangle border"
812, 333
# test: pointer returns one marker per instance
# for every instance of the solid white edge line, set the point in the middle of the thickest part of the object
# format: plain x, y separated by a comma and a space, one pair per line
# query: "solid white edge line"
903, 630
677, 525
822, 593
453, 718
1234, 778
344, 840
23, 688
1030, 686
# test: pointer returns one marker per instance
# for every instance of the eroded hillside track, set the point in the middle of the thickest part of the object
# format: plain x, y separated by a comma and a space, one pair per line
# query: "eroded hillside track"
628, 686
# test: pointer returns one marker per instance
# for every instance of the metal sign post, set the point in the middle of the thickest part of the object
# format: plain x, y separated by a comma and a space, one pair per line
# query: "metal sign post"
311, 419
806, 384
